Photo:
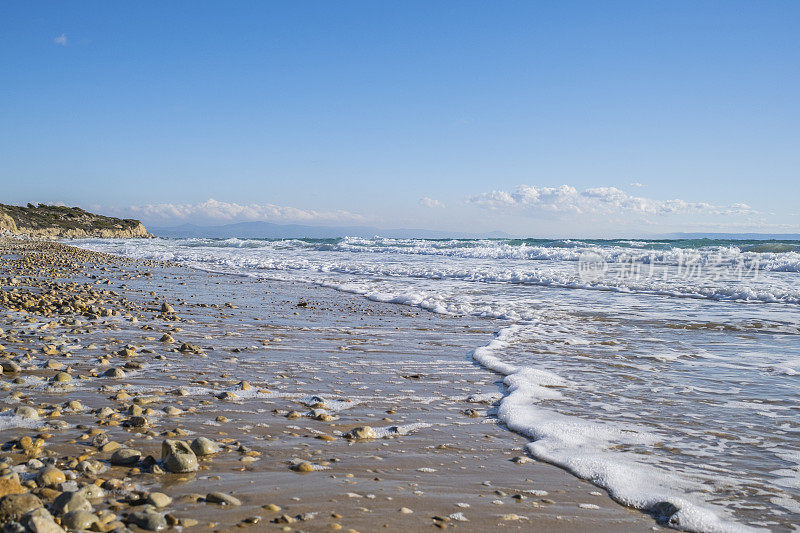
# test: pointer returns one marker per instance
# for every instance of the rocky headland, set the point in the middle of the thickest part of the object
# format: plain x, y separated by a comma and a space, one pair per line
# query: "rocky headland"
55, 221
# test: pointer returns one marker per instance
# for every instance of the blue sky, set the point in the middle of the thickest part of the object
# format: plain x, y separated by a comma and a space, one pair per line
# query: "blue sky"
537, 118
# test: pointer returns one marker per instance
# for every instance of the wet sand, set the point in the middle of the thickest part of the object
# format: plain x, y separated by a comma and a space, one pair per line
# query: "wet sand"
275, 373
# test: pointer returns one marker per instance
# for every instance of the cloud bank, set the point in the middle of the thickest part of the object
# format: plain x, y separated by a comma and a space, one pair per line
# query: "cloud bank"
214, 211
430, 202
566, 199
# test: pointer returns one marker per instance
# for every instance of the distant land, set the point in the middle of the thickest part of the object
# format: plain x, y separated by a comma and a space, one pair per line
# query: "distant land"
269, 230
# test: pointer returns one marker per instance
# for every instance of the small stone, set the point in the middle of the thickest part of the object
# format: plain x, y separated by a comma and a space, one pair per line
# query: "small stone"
271, 507
125, 457
114, 373
10, 486
223, 499
74, 405
178, 456
25, 411
79, 520
228, 395
91, 492
62, 377
166, 308
361, 433
40, 521
71, 501
50, 477
303, 466
284, 519
203, 446
166, 337
159, 499
138, 422
10, 367
148, 520
13, 506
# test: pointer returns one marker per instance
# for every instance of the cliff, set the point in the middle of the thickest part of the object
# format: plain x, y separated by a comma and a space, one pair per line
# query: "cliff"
66, 222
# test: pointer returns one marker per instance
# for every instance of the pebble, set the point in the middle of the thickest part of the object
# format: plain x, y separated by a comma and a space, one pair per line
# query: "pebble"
79, 520
13, 506
25, 411
148, 520
223, 499
203, 446
125, 457
178, 456
158, 499
50, 476
70, 501
361, 433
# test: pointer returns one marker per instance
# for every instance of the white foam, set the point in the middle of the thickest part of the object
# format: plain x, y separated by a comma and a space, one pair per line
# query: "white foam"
585, 448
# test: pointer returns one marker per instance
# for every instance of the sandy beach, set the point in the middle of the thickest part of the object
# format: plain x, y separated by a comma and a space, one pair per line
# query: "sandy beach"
107, 358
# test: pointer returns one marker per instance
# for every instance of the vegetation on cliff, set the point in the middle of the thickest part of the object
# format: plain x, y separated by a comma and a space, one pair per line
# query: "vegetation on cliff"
70, 222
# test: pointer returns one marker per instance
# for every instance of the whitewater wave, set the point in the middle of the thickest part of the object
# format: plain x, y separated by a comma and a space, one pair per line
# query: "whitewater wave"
586, 448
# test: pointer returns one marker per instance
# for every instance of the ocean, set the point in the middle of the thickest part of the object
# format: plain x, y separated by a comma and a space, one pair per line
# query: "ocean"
665, 372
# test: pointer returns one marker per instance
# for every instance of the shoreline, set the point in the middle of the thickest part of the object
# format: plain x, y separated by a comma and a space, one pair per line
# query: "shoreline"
276, 385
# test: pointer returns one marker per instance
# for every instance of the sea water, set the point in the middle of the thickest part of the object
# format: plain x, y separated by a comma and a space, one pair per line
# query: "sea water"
665, 372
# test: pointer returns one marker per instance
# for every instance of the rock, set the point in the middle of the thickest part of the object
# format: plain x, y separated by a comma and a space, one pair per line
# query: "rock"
91, 492
663, 511
361, 433
125, 457
13, 506
203, 446
159, 499
90, 466
148, 520
138, 422
223, 499
50, 476
70, 501
10, 486
178, 456
171, 410
79, 520
62, 377
110, 447
166, 337
114, 373
40, 521
26, 411
228, 395
10, 367
166, 308
303, 466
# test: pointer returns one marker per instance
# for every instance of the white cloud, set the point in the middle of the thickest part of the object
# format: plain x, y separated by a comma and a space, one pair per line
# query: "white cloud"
637, 184
216, 211
597, 200
61, 40
430, 202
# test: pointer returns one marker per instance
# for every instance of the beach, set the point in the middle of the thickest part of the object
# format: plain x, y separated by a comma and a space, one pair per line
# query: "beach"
284, 379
